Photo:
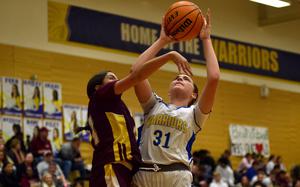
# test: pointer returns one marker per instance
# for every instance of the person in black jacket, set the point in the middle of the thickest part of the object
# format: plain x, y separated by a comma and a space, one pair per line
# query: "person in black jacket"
8, 177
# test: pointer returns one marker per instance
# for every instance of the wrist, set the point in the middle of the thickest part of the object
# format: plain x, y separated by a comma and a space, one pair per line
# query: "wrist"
163, 40
206, 38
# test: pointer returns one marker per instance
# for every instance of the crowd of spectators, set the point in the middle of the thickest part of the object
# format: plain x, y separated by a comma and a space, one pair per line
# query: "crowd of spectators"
39, 162
254, 170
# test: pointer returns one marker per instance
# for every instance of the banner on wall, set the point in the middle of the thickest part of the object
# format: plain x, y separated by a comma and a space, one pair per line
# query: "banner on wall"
52, 100
31, 127
33, 98
55, 130
12, 96
249, 139
84, 135
7, 123
72, 117
72, 24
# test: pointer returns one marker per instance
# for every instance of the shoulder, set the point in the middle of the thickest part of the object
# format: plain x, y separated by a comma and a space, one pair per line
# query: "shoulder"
106, 91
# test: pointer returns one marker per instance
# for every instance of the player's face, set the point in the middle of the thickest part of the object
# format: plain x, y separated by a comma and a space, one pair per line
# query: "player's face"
182, 83
109, 77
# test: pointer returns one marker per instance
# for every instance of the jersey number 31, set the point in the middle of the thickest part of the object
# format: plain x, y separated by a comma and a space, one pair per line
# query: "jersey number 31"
158, 137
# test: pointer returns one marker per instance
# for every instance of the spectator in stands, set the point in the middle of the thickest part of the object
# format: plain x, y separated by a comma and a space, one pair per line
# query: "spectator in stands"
28, 179
245, 163
270, 164
44, 165
282, 179
72, 160
3, 160
15, 152
244, 182
252, 171
226, 154
28, 163
280, 163
41, 144
217, 181
198, 175
16, 155
8, 177
225, 171
261, 162
47, 180
58, 177
18, 134
262, 178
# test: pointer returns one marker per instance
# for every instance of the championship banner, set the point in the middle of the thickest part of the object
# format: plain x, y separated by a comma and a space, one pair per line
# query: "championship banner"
55, 130
71, 24
33, 98
84, 135
72, 115
7, 123
249, 139
52, 100
31, 128
12, 96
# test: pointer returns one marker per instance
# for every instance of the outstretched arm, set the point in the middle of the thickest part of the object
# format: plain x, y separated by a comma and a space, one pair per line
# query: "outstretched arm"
143, 89
207, 97
143, 71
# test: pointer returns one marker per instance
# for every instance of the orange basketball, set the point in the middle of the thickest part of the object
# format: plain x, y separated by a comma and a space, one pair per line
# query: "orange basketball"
183, 20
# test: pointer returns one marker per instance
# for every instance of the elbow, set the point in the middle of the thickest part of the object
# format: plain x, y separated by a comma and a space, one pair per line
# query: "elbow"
214, 77
135, 76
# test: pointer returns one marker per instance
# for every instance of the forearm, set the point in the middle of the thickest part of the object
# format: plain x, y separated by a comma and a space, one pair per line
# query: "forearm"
150, 53
212, 66
143, 71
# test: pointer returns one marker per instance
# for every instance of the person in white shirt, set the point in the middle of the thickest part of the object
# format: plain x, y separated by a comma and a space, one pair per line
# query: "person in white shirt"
225, 171
217, 181
270, 164
245, 163
261, 177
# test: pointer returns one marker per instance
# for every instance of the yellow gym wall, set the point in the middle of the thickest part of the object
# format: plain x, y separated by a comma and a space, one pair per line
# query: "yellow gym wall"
235, 103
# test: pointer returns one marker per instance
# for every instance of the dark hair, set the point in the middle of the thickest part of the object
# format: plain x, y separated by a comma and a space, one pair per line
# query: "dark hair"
195, 91
17, 127
38, 94
271, 157
55, 95
95, 80
17, 90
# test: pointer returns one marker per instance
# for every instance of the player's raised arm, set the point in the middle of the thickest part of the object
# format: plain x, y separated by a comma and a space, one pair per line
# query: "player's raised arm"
142, 71
212, 67
143, 89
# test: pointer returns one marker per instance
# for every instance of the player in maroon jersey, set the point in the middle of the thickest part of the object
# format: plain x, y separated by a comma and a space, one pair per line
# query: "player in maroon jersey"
116, 155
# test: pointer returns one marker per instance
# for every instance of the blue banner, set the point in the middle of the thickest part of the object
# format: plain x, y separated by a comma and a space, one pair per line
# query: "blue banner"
118, 32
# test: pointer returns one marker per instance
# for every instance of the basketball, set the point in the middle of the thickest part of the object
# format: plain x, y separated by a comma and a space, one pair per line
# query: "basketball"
183, 21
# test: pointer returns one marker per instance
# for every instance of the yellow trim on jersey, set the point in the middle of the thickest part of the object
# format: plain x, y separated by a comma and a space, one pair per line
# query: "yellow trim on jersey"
121, 136
110, 176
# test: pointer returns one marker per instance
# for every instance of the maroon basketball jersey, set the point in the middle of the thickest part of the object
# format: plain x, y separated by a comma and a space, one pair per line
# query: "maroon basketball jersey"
112, 128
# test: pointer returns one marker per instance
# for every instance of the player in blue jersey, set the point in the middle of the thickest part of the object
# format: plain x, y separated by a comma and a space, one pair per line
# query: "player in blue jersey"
169, 128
